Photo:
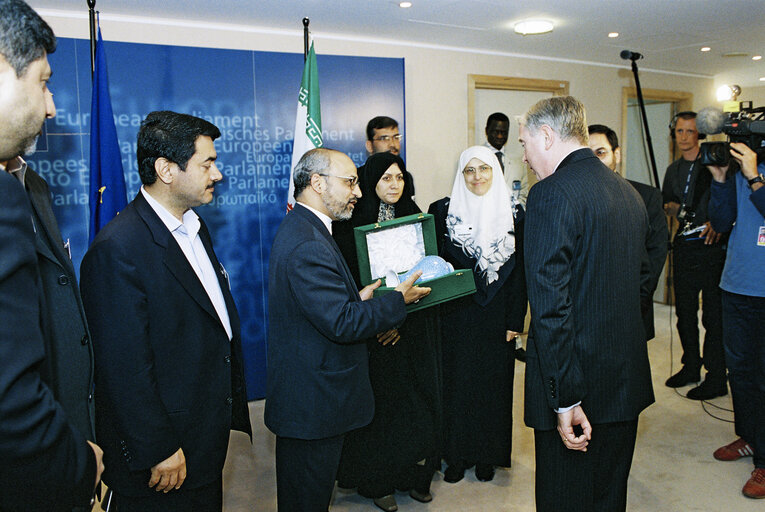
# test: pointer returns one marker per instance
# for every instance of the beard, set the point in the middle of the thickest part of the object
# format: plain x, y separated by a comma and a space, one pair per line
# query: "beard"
339, 210
30, 146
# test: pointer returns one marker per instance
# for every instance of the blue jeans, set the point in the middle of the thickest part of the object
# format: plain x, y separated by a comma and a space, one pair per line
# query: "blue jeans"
744, 336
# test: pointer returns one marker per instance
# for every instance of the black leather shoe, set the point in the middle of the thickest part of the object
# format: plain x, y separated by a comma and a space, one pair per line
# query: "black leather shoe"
520, 354
682, 378
387, 503
454, 473
421, 497
710, 388
484, 472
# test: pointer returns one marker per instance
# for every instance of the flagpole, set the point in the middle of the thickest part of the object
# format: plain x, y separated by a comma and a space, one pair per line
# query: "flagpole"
306, 21
92, 17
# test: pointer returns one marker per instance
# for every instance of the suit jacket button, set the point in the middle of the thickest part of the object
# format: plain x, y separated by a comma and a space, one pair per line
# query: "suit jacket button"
63, 280
229, 400
227, 359
84, 340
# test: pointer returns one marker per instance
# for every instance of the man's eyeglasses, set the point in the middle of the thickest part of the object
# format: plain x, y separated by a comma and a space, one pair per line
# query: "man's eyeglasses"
484, 170
351, 181
388, 138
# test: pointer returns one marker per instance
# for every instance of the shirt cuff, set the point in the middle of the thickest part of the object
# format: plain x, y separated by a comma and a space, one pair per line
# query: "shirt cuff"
561, 410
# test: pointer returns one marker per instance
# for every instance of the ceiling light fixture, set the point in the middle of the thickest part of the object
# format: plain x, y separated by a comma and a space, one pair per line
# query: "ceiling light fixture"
405, 5
613, 34
705, 49
531, 27
757, 57
762, 79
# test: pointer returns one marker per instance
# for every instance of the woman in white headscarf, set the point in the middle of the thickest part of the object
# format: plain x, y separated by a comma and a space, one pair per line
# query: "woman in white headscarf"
480, 227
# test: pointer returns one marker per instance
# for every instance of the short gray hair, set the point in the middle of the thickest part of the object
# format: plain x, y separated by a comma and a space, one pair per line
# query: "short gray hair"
315, 161
564, 114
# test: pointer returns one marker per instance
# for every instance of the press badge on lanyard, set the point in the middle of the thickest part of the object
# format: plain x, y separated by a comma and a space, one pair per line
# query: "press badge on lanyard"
761, 237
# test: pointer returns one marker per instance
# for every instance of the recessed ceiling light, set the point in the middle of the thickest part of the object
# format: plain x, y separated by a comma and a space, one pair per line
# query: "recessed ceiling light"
405, 5
530, 27
613, 34
705, 49
757, 57
762, 79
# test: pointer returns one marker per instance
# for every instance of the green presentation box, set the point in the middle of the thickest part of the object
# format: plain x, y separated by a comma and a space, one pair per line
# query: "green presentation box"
398, 245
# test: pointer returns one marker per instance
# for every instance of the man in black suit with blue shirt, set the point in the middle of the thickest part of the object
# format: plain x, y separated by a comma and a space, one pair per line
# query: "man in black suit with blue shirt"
587, 371
318, 384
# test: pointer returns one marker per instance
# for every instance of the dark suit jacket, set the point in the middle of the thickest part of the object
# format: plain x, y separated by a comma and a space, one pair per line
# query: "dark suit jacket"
45, 465
167, 376
318, 369
656, 246
586, 231
68, 368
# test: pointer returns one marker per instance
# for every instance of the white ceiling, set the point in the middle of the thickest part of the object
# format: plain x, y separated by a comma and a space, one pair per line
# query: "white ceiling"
669, 33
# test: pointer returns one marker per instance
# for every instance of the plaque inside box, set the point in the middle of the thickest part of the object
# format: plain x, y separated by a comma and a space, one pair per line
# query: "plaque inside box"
396, 246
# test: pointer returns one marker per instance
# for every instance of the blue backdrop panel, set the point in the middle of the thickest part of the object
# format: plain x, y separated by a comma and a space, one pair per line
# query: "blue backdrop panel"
252, 98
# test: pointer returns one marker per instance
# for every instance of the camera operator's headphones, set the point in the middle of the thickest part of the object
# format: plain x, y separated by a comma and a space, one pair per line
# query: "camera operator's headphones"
684, 114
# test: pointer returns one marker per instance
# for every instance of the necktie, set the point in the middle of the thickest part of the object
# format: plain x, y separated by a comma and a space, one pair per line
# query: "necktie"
501, 163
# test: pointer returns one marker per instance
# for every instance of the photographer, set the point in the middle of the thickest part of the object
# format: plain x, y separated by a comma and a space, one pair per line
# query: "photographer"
698, 256
737, 204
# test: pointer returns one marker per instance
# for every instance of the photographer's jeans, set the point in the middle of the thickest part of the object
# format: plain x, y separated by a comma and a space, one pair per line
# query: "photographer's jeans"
744, 333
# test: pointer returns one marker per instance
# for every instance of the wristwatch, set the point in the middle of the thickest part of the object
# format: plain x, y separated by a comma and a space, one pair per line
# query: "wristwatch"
757, 179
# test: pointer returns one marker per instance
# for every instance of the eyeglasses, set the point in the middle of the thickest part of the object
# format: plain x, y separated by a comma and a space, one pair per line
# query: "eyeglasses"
388, 138
351, 181
484, 170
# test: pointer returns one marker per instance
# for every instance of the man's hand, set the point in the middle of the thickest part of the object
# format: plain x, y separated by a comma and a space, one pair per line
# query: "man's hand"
511, 335
170, 473
99, 462
410, 292
367, 292
746, 157
718, 173
388, 337
566, 422
709, 235
671, 208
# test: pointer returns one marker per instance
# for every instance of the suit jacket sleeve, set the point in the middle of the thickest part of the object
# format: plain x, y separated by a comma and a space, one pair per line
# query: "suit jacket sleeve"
320, 290
117, 307
658, 236
549, 258
37, 444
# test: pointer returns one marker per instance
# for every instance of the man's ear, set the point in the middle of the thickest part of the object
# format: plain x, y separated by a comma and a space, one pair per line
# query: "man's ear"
370, 148
618, 156
549, 135
317, 183
165, 170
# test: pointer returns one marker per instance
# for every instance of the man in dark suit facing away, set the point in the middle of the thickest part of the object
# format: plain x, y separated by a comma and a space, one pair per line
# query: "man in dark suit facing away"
605, 144
169, 369
318, 373
587, 370
46, 462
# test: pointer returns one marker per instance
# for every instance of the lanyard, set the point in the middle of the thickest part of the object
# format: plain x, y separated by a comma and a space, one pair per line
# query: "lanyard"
688, 184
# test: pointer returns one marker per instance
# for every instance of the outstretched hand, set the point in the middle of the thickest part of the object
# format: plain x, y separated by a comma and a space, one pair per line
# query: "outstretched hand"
411, 292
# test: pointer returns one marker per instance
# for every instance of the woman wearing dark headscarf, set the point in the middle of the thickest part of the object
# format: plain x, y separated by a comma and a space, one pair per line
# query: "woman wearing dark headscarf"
480, 227
399, 449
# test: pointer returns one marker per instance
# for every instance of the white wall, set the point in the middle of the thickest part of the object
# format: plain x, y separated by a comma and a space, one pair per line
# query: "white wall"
436, 81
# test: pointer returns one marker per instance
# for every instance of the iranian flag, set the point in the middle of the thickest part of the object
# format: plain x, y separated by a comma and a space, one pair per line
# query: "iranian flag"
308, 120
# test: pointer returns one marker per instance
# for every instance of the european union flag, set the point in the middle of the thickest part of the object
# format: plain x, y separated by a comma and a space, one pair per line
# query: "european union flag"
107, 180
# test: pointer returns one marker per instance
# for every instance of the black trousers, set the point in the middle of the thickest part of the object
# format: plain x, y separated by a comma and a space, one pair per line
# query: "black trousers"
208, 498
305, 473
591, 481
697, 269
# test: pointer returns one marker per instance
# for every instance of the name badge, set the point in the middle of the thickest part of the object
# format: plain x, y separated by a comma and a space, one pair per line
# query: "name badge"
761, 237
